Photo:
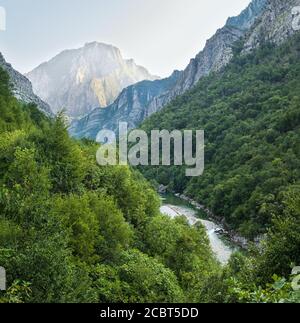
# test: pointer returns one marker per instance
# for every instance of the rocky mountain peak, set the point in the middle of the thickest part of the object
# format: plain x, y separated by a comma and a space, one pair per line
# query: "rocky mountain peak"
82, 79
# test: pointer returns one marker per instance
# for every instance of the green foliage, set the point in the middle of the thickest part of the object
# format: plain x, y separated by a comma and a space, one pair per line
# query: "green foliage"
250, 114
137, 279
97, 228
72, 231
182, 248
280, 291
280, 250
19, 292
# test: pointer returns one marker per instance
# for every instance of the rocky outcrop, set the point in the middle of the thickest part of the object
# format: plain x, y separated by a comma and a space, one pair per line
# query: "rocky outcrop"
275, 25
81, 79
246, 19
216, 54
22, 88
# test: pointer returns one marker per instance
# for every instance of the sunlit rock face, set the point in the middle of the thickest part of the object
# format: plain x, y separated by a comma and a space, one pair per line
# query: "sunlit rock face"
82, 79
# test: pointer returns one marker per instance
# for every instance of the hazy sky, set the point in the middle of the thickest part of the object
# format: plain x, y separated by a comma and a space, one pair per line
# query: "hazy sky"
161, 35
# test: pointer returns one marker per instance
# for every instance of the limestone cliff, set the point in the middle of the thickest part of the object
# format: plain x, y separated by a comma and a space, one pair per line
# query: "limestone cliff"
80, 80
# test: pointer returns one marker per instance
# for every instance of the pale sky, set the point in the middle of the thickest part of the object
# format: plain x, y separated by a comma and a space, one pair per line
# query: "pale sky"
161, 35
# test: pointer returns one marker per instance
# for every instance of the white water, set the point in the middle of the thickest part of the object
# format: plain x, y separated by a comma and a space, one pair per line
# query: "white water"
221, 250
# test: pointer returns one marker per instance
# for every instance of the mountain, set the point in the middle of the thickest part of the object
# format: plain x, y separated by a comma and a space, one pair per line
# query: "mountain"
22, 88
250, 113
129, 107
81, 79
218, 50
275, 25
217, 53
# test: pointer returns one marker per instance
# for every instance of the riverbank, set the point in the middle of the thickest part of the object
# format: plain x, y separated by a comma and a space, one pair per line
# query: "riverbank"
224, 229
221, 248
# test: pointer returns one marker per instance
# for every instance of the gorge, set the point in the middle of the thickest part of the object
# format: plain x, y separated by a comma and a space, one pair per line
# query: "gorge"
75, 231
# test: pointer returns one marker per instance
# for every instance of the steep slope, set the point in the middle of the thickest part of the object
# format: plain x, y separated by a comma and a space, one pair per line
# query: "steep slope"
131, 106
22, 88
277, 23
218, 50
81, 79
216, 54
77, 232
251, 116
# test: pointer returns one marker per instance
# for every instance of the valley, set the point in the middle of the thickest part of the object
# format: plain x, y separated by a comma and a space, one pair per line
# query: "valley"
73, 230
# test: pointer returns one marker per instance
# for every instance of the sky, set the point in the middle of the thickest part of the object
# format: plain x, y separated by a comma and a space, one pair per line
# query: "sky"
161, 35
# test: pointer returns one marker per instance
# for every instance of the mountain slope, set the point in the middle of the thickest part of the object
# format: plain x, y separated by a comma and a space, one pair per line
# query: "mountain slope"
129, 107
72, 231
251, 116
22, 88
81, 79
275, 25
216, 54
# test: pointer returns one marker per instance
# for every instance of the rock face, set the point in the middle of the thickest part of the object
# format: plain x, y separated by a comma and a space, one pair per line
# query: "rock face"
82, 79
216, 54
218, 50
276, 24
132, 106
248, 16
22, 88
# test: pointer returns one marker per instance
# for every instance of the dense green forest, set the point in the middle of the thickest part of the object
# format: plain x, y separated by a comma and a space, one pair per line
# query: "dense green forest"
251, 116
72, 231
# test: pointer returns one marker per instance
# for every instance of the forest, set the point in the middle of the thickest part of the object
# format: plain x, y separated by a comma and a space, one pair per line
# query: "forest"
72, 231
251, 117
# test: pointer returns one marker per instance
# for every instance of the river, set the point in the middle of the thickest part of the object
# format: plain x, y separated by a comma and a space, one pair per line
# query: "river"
174, 207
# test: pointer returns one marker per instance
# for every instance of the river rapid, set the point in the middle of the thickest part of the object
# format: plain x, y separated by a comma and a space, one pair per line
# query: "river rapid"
174, 207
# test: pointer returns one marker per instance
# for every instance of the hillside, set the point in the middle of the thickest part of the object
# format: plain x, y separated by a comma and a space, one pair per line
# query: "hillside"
250, 114
136, 97
71, 231
22, 88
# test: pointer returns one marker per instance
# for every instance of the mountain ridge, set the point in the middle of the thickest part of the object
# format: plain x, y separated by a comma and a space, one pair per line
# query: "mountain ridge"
216, 54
